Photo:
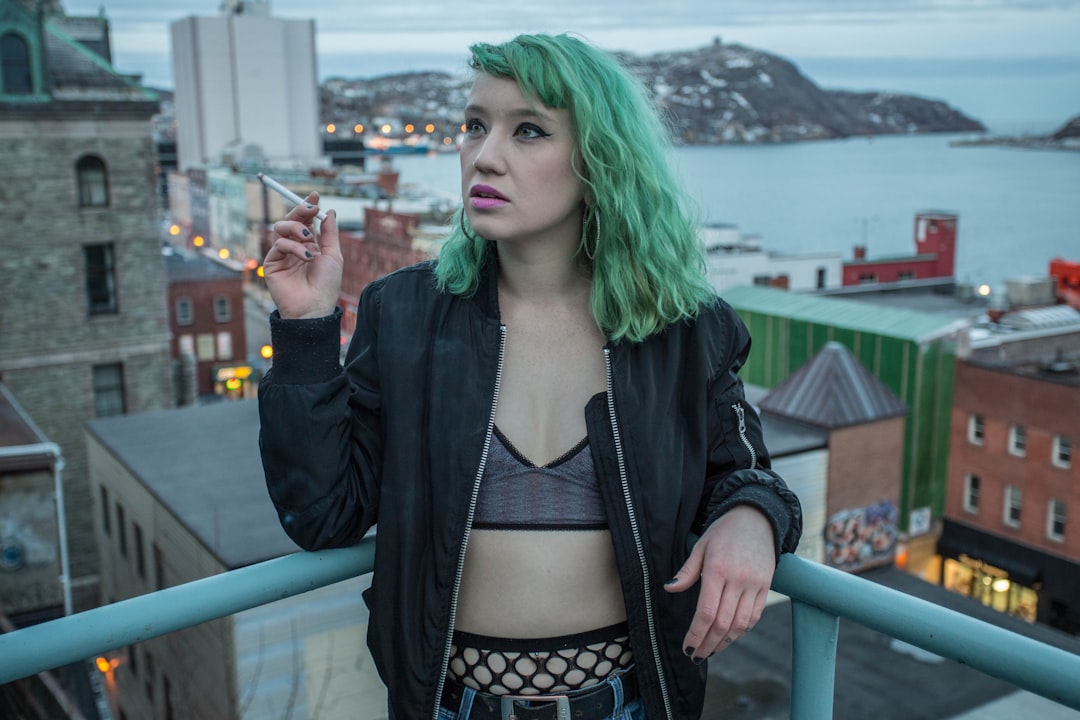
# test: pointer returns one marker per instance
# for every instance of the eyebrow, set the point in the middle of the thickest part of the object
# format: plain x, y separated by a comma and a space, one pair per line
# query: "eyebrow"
524, 112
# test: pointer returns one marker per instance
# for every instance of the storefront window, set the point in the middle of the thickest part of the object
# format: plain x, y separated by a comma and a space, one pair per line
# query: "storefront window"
991, 586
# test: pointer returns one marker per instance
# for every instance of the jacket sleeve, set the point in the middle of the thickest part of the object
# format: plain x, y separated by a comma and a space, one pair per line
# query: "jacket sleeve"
739, 471
320, 428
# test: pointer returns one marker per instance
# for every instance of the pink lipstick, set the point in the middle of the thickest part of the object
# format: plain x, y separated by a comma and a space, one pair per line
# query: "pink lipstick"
484, 197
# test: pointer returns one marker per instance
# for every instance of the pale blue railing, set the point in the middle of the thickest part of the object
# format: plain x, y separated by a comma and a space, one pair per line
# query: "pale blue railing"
820, 597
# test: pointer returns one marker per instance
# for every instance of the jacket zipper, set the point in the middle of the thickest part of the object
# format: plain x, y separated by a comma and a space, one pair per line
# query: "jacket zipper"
638, 543
741, 413
468, 528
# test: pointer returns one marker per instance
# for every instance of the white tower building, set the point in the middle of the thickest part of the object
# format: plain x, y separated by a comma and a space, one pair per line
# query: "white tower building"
246, 87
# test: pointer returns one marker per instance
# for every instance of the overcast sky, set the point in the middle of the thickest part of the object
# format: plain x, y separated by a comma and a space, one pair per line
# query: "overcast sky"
1016, 60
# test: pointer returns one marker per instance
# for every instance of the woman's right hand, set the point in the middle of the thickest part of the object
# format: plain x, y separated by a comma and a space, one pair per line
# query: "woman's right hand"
303, 269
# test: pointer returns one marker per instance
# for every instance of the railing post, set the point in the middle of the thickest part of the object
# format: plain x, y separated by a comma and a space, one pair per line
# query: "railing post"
814, 634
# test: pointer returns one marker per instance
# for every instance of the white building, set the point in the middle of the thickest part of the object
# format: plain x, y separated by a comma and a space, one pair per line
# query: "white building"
736, 260
246, 87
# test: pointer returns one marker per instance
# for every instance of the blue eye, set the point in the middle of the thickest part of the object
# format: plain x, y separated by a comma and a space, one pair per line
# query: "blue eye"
474, 127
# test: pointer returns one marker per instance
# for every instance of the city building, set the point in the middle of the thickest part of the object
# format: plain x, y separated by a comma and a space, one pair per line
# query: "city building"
180, 495
246, 88
935, 255
736, 260
207, 324
82, 311
1010, 537
911, 352
863, 423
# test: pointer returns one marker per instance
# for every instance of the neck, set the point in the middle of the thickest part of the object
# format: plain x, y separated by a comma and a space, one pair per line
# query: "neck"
542, 275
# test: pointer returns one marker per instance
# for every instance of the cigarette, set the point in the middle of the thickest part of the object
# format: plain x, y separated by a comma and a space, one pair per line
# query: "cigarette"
286, 192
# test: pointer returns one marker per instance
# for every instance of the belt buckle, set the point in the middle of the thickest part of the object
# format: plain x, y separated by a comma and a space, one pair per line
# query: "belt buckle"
562, 705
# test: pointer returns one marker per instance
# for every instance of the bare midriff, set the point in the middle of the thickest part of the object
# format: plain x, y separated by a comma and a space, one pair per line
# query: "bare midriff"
539, 583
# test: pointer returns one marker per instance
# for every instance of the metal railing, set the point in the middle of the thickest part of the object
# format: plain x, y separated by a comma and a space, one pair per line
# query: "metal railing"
820, 596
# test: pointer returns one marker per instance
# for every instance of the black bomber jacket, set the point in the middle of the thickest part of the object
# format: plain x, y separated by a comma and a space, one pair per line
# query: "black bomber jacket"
400, 434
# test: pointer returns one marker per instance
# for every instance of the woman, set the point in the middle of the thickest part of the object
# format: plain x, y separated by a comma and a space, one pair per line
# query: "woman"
542, 422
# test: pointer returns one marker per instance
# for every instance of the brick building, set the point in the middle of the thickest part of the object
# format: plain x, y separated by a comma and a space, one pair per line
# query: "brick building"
1010, 536
206, 320
83, 330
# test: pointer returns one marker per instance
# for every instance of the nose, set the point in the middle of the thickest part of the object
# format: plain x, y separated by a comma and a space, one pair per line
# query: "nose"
490, 157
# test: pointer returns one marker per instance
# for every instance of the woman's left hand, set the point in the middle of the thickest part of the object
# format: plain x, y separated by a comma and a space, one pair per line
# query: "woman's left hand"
735, 560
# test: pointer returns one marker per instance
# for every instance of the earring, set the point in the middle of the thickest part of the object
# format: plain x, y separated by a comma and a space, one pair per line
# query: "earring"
461, 221
594, 214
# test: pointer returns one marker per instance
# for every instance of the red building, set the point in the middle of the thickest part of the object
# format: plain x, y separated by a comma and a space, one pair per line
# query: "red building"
1066, 276
206, 320
935, 248
1011, 538
390, 241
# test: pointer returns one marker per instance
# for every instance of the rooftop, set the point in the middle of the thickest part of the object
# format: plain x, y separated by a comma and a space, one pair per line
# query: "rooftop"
833, 390
904, 324
219, 492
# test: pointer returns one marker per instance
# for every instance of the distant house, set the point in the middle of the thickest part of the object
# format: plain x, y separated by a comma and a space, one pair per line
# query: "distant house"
207, 324
863, 422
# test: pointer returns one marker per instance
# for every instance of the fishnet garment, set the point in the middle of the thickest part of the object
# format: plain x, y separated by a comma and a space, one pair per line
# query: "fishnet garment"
515, 672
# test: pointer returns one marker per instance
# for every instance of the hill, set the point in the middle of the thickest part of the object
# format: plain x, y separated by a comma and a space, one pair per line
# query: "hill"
721, 93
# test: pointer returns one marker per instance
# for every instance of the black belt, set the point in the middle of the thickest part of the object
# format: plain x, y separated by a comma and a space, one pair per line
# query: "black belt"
588, 705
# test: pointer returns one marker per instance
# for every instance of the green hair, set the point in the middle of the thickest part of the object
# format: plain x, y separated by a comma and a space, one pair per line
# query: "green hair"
648, 264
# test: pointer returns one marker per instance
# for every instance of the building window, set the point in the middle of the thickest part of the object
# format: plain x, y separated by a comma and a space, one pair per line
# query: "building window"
1055, 520
148, 661
976, 429
1013, 499
185, 311
166, 691
222, 309
1061, 454
15, 61
186, 344
204, 347
159, 569
106, 519
133, 659
140, 558
108, 390
905, 275
867, 278
821, 278
971, 493
93, 182
224, 346
100, 279
121, 530
1018, 440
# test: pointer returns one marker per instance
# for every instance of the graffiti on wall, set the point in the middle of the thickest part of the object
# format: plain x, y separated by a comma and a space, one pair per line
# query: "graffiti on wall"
861, 538
29, 549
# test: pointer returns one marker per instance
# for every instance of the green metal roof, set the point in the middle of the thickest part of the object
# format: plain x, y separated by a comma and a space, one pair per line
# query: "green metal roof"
849, 314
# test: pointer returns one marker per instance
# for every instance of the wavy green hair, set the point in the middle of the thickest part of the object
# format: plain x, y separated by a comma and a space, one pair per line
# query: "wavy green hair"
648, 264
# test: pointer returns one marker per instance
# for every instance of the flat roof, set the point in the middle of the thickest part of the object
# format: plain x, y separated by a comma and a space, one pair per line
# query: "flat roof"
904, 324
202, 463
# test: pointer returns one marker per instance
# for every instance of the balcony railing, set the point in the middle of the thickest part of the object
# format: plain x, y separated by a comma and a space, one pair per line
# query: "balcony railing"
820, 596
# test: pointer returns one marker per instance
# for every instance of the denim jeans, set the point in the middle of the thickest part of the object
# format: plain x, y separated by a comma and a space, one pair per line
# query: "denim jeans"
628, 711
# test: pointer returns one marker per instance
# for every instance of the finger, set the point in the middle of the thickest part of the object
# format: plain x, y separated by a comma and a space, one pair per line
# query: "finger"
697, 638
329, 239
285, 247
689, 573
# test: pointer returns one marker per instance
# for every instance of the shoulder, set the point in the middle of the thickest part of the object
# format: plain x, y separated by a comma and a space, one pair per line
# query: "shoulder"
715, 337
408, 280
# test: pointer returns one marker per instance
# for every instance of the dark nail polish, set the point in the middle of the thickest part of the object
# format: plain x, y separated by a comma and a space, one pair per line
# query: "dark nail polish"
307, 233
309, 205
672, 581
308, 255
699, 660
688, 651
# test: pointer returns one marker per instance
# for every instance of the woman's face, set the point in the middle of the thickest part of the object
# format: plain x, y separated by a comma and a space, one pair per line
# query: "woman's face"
517, 178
